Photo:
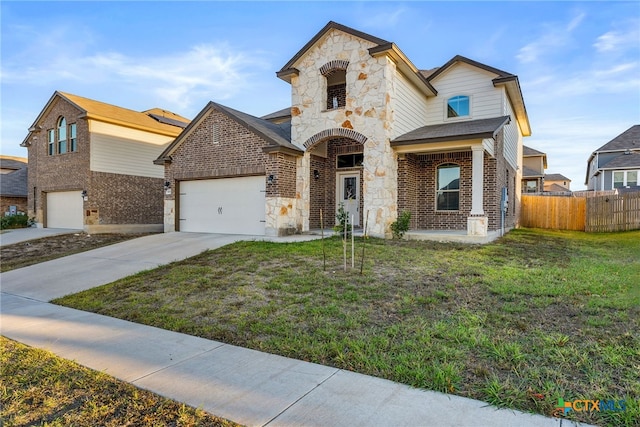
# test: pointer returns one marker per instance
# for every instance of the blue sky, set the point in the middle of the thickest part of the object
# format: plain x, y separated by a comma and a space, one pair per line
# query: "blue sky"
578, 62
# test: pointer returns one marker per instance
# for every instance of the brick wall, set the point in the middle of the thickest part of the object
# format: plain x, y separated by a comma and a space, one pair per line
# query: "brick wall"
19, 202
417, 189
238, 152
124, 199
60, 172
283, 168
323, 190
112, 198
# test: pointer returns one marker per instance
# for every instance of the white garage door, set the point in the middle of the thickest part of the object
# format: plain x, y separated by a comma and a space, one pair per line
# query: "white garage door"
65, 209
228, 205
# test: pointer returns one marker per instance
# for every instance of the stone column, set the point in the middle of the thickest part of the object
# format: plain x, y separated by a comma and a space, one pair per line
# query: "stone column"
477, 223
477, 180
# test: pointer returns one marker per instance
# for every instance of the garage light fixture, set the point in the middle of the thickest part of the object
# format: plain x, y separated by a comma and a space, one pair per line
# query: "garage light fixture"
316, 174
84, 195
270, 179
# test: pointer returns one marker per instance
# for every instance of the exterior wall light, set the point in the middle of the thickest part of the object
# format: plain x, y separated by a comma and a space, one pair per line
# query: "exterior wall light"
270, 179
167, 187
84, 195
316, 174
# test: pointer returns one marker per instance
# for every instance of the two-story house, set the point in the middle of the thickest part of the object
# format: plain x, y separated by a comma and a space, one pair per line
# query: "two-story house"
366, 130
534, 163
616, 164
91, 165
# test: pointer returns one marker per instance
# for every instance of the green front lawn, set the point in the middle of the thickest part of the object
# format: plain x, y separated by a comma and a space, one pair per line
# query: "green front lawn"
535, 317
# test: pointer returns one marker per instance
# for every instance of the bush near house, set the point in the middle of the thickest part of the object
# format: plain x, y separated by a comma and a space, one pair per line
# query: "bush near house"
15, 221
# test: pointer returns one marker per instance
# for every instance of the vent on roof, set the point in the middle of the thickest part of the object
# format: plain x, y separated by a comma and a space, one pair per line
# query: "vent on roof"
168, 121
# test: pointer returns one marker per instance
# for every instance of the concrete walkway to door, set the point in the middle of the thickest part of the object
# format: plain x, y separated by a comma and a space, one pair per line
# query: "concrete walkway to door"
243, 385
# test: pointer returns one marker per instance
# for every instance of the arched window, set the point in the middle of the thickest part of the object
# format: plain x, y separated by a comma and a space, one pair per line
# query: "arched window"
62, 135
336, 89
458, 106
448, 192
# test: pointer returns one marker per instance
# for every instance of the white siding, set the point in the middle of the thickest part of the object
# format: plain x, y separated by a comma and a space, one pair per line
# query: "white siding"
463, 79
410, 107
512, 135
126, 151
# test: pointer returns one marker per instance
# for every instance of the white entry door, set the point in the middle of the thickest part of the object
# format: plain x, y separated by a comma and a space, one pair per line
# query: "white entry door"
65, 209
349, 194
227, 205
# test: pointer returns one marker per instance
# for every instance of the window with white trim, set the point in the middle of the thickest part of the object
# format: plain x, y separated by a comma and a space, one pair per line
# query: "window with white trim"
458, 106
51, 142
62, 135
448, 192
624, 179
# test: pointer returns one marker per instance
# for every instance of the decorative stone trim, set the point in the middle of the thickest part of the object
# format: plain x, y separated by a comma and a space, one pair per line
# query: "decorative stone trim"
336, 64
335, 133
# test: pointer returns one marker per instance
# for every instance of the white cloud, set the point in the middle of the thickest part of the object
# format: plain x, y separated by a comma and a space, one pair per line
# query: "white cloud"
554, 36
618, 40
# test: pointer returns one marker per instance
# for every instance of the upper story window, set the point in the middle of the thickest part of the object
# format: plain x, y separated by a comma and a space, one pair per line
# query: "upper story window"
448, 193
458, 106
51, 142
336, 89
335, 74
62, 135
62, 139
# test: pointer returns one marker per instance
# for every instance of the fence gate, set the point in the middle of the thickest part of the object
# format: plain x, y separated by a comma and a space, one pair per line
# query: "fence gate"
618, 212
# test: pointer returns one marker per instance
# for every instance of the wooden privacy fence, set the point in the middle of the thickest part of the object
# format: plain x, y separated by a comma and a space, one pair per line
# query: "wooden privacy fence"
556, 212
613, 212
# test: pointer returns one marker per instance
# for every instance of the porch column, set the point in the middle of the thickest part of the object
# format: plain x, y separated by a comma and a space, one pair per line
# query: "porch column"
477, 180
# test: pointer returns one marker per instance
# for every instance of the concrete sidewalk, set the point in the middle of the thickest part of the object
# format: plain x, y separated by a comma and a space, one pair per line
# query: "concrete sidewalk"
243, 385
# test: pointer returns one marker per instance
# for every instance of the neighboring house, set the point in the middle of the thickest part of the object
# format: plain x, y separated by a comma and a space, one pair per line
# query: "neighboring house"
13, 185
366, 130
616, 164
556, 182
534, 163
91, 165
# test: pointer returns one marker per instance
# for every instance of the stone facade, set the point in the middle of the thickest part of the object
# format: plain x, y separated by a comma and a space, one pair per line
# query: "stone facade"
115, 202
367, 112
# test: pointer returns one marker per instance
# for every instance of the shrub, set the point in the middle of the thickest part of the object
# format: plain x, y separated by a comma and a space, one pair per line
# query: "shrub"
401, 225
15, 221
343, 221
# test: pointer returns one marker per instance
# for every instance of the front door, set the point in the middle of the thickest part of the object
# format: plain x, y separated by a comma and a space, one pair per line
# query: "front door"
349, 195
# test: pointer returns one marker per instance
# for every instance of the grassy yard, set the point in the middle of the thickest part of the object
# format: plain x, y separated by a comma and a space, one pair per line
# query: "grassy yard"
38, 388
535, 317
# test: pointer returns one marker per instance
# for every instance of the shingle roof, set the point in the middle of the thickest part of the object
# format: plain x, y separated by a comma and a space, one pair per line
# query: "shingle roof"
629, 139
13, 183
285, 112
164, 123
101, 110
530, 173
631, 160
556, 188
528, 151
555, 177
277, 135
472, 129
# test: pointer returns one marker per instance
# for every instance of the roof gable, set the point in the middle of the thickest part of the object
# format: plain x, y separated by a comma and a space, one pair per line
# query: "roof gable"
277, 135
165, 123
331, 25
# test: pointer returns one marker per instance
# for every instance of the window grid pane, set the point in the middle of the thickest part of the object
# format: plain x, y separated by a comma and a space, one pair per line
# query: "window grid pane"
448, 194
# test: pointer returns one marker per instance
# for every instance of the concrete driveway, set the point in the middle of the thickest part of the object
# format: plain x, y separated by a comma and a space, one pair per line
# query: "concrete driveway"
86, 270
17, 235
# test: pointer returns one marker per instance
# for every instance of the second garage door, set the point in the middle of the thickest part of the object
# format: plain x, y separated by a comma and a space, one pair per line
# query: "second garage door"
229, 205
64, 210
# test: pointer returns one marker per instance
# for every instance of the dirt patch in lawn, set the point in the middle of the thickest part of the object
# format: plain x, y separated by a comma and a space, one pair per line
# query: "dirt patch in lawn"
36, 251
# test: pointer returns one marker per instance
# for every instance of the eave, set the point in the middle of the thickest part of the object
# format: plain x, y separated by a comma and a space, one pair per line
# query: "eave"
405, 66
